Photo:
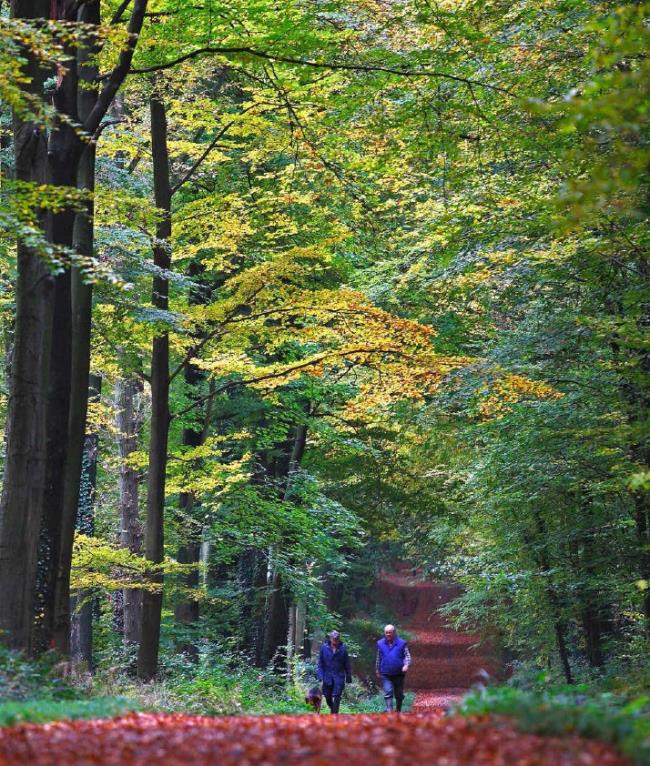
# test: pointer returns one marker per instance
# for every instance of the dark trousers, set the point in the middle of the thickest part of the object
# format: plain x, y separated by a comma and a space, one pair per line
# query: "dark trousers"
393, 687
332, 694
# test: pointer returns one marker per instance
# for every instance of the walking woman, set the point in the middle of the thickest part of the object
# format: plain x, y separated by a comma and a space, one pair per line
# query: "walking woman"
334, 670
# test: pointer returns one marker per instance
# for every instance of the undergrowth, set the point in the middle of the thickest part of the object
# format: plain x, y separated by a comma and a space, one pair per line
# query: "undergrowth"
622, 719
219, 682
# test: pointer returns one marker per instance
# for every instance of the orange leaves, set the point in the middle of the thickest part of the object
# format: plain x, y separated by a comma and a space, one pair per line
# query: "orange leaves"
511, 389
380, 740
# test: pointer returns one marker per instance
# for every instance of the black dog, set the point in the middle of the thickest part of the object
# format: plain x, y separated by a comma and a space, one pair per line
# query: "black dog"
314, 698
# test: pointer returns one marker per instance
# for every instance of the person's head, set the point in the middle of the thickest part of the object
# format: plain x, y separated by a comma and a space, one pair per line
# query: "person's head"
389, 632
334, 637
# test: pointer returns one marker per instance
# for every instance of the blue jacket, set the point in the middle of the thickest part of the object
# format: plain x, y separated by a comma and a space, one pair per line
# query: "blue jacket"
333, 666
392, 657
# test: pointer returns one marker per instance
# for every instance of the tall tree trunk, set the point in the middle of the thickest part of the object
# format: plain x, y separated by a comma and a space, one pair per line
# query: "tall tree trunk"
642, 523
81, 629
551, 595
68, 355
277, 613
80, 329
128, 418
251, 581
24, 469
154, 534
64, 151
277, 624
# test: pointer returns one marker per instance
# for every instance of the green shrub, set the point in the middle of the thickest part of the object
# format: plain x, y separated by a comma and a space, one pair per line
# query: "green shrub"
44, 710
621, 721
22, 679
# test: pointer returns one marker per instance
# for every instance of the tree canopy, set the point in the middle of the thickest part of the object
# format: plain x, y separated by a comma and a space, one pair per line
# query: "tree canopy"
289, 286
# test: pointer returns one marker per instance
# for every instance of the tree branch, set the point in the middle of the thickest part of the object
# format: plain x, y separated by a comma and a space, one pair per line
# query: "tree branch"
281, 373
209, 148
117, 76
333, 65
119, 13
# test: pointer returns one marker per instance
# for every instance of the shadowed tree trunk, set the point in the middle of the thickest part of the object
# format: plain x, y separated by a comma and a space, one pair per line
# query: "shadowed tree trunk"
551, 595
70, 160
24, 468
128, 419
64, 151
152, 600
277, 613
251, 580
80, 332
81, 633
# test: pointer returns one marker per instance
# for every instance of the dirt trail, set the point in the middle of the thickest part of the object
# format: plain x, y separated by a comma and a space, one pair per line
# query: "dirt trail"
444, 664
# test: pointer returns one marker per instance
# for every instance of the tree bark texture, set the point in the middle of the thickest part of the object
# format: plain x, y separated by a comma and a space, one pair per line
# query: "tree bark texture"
63, 153
81, 628
251, 581
277, 611
128, 419
24, 469
80, 338
154, 534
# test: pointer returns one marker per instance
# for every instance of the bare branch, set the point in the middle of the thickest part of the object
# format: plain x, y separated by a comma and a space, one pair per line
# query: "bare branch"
333, 65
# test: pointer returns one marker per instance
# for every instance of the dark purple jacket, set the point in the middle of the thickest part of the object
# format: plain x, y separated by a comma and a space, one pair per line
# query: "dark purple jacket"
333, 666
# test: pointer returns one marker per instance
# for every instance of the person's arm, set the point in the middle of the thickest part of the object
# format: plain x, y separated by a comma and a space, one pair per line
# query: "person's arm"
407, 659
319, 665
347, 666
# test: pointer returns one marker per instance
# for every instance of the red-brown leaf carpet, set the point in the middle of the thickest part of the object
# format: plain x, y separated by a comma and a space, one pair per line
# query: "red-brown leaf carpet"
380, 740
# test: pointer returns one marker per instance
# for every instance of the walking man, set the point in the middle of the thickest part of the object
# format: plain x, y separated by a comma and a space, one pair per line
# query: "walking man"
334, 670
393, 660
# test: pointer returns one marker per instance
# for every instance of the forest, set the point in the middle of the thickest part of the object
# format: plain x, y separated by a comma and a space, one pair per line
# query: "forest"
297, 292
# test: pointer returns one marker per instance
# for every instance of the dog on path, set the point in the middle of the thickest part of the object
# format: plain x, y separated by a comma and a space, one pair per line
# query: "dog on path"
314, 698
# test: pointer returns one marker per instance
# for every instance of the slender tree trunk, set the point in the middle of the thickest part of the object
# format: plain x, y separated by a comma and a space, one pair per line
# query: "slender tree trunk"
561, 642
277, 616
590, 596
128, 420
80, 329
277, 624
154, 538
551, 595
81, 632
642, 522
24, 469
251, 579
68, 356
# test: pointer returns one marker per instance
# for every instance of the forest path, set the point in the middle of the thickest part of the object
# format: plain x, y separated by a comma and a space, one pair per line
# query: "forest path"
443, 668
444, 663
309, 740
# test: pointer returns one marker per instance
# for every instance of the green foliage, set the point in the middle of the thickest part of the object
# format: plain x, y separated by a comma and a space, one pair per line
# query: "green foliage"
571, 710
44, 711
222, 682
22, 679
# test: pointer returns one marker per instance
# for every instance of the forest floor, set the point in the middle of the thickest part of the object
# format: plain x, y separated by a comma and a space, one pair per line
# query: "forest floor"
444, 667
143, 739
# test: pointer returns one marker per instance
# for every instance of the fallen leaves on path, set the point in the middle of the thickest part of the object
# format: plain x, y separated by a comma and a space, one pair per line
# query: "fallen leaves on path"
380, 740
